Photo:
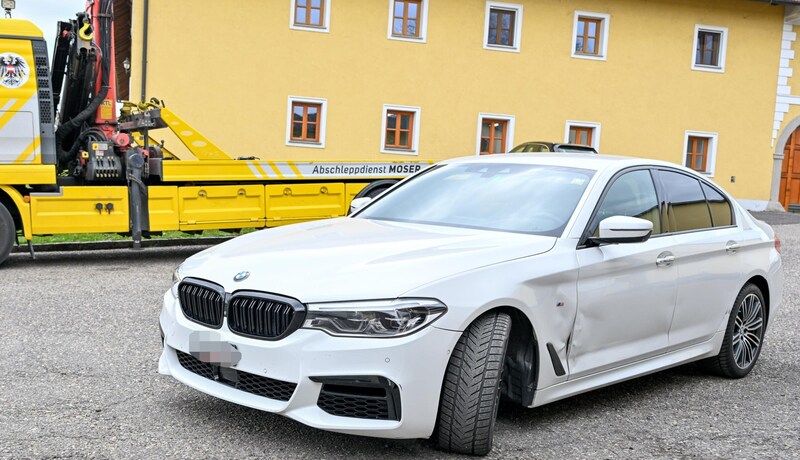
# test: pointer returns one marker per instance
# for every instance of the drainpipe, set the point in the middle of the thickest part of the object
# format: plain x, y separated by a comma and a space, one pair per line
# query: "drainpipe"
144, 50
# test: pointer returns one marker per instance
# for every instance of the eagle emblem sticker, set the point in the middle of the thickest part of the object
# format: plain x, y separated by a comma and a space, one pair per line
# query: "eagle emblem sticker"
241, 276
14, 70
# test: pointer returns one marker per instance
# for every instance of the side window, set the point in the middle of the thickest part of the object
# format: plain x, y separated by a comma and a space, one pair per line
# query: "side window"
721, 211
687, 208
632, 194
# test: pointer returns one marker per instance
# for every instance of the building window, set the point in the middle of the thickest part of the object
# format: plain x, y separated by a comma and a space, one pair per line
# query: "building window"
399, 129
583, 133
310, 15
400, 133
503, 26
306, 122
709, 48
699, 151
408, 20
495, 133
590, 35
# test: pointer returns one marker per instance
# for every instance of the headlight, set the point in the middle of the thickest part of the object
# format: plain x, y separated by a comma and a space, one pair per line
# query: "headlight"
177, 277
377, 318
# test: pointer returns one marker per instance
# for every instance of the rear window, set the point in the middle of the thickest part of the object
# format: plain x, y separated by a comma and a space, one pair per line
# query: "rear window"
688, 209
721, 211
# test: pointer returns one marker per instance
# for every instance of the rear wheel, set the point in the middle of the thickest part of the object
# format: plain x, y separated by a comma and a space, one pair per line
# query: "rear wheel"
471, 389
744, 335
7, 233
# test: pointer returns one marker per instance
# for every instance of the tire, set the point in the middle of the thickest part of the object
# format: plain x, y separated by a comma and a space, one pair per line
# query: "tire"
471, 388
376, 188
8, 233
744, 336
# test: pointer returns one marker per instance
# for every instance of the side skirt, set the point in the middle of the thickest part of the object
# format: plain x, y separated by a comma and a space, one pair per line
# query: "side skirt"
629, 371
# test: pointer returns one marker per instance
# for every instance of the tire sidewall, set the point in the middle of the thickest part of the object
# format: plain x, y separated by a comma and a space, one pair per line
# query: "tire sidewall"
7, 233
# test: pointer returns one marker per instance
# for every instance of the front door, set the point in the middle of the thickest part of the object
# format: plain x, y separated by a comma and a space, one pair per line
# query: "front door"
790, 173
626, 292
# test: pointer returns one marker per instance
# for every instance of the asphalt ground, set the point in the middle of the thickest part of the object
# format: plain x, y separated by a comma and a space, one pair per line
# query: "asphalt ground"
80, 346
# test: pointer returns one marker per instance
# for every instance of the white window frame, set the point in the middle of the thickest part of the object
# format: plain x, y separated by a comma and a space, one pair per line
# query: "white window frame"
584, 124
723, 48
422, 26
511, 119
517, 26
322, 124
711, 161
326, 20
603, 35
414, 135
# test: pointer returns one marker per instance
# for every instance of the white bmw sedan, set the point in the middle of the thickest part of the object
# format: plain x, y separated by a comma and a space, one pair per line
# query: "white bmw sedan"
526, 277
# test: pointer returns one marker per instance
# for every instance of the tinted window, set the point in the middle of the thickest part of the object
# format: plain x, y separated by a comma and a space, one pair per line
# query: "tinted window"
687, 204
721, 214
632, 194
530, 147
493, 196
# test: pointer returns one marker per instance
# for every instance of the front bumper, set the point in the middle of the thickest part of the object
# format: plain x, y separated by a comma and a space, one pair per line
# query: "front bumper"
415, 363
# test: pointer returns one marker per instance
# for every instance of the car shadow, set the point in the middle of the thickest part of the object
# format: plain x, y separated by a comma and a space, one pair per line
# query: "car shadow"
252, 427
616, 395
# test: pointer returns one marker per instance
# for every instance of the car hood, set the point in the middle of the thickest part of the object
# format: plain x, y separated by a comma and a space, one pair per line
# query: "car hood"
351, 258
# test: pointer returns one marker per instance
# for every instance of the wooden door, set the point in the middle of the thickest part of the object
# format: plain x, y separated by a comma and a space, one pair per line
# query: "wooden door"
790, 173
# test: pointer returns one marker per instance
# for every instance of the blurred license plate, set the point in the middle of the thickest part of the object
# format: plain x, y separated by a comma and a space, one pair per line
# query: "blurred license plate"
208, 346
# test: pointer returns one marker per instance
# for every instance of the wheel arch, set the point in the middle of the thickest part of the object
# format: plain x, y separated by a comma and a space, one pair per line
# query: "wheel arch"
15, 203
761, 283
522, 357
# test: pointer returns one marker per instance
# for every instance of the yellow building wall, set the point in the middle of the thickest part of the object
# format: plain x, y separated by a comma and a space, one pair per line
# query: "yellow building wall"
228, 68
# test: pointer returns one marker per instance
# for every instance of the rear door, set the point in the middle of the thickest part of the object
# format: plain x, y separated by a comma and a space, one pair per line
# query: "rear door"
707, 244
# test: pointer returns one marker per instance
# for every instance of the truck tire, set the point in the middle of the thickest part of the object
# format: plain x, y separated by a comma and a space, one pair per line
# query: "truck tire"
7, 233
471, 388
376, 188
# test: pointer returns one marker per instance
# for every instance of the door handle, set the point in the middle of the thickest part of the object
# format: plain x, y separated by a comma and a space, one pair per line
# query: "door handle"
732, 246
665, 259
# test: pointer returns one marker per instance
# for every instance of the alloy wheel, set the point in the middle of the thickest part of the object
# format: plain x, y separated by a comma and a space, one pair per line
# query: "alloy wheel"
748, 331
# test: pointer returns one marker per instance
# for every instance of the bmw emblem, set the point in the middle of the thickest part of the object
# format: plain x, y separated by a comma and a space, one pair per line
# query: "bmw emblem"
241, 276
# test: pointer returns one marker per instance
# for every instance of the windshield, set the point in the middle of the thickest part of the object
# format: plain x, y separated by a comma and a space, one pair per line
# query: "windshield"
519, 198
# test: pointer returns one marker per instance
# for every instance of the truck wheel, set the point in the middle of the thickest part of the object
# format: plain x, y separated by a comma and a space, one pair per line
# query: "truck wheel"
376, 188
471, 389
7, 233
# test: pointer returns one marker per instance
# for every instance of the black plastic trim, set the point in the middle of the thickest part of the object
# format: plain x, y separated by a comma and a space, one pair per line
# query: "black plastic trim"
392, 391
558, 368
254, 384
207, 285
297, 320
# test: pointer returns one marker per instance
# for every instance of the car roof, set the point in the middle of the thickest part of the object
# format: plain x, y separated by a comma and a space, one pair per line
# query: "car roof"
590, 161
554, 146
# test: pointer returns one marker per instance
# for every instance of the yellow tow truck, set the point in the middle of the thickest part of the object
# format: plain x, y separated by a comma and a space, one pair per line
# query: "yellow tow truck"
69, 164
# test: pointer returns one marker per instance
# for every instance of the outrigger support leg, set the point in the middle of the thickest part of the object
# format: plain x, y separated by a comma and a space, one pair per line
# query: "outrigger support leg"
137, 196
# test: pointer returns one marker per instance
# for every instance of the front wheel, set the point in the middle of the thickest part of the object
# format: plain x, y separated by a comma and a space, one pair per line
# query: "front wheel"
7, 233
744, 335
471, 389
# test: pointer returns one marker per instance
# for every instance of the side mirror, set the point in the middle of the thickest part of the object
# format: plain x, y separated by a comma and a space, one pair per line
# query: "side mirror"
358, 203
623, 229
